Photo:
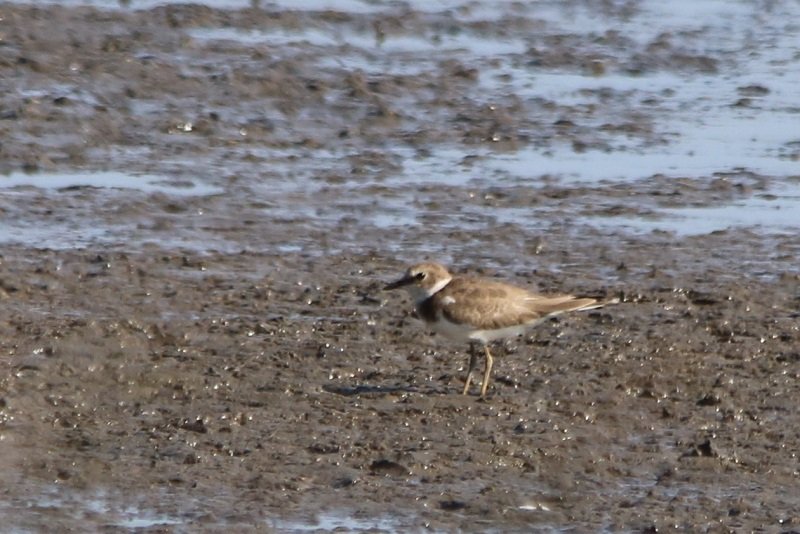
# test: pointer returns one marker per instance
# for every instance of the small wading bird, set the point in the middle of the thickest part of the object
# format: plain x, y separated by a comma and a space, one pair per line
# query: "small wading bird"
478, 310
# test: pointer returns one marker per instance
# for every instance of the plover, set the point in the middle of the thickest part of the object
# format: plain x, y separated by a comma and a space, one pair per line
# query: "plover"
479, 310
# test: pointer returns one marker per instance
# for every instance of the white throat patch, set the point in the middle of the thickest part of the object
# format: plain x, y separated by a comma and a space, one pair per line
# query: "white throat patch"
438, 286
420, 294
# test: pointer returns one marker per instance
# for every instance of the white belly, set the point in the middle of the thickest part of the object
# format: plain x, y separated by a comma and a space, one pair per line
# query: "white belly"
462, 332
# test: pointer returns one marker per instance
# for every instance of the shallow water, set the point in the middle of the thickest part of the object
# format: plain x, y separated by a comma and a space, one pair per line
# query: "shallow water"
677, 121
776, 210
114, 180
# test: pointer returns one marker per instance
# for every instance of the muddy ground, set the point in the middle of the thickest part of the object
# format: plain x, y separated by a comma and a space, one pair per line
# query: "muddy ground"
229, 361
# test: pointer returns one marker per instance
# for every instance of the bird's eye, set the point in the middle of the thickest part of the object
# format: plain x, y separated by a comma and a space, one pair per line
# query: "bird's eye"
419, 276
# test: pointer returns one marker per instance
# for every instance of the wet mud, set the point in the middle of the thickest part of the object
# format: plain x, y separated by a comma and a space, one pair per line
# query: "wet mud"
209, 348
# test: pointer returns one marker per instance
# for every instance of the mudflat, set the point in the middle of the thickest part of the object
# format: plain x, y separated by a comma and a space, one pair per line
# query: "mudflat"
203, 344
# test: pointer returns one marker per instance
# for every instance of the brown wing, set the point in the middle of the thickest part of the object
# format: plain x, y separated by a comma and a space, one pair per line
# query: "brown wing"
488, 305
485, 304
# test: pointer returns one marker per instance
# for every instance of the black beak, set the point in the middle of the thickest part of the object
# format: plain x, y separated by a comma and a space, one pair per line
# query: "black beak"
400, 283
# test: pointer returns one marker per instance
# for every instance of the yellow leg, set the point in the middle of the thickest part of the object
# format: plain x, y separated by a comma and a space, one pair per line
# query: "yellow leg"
473, 358
487, 372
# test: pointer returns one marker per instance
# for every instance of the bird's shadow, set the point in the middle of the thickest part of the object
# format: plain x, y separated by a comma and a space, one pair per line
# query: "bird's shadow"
377, 391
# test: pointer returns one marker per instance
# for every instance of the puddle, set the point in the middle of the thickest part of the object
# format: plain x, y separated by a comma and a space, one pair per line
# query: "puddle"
776, 211
139, 4
471, 8
330, 522
111, 509
684, 16
390, 44
595, 167
59, 210
106, 180
393, 54
99, 507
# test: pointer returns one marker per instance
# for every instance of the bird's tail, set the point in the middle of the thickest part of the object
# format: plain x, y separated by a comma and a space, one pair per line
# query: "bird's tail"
564, 304
597, 303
